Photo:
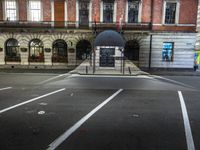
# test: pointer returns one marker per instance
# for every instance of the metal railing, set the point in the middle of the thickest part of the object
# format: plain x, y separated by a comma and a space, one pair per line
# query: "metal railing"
75, 25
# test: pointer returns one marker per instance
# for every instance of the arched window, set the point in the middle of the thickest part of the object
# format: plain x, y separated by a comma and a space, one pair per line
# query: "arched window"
83, 50
36, 52
59, 51
12, 50
131, 51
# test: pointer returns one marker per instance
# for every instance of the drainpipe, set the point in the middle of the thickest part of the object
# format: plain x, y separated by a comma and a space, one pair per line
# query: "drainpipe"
150, 51
151, 36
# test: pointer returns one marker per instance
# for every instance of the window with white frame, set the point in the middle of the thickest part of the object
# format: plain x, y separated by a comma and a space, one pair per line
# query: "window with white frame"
133, 11
10, 10
35, 10
108, 11
171, 12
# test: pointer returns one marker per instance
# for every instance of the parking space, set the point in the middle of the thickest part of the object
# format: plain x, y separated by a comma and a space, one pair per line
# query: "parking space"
35, 125
193, 105
133, 120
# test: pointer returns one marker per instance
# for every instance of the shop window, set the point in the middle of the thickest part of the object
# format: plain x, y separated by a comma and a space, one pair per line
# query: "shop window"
36, 52
170, 12
12, 50
133, 11
10, 10
35, 10
167, 52
108, 8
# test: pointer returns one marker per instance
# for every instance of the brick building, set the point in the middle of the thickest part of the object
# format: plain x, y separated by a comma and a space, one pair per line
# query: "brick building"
60, 33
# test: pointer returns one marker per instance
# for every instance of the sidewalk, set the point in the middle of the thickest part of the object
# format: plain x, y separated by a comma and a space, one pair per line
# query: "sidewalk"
130, 70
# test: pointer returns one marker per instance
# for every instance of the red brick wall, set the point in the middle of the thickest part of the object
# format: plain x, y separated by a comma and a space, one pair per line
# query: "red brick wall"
146, 11
22, 10
188, 11
71, 10
121, 6
157, 11
46, 10
96, 10
1, 11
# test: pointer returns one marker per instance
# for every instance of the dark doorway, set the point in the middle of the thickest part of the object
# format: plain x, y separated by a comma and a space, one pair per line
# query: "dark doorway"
59, 51
107, 57
83, 50
131, 50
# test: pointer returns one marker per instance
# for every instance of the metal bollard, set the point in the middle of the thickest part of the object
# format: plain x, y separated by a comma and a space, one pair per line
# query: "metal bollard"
129, 69
86, 69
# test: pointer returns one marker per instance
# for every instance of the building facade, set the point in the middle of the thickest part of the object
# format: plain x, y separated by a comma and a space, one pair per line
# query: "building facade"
60, 33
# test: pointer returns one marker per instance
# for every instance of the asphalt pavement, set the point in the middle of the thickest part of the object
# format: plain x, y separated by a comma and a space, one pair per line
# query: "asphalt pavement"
81, 112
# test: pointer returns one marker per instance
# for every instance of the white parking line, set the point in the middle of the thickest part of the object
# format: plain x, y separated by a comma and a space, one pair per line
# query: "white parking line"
188, 132
6, 88
31, 100
173, 81
71, 130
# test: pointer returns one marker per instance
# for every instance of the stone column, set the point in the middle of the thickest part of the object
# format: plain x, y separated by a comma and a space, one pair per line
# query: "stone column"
24, 55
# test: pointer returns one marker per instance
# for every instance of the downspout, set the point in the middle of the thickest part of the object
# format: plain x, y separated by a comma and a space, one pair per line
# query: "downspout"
151, 36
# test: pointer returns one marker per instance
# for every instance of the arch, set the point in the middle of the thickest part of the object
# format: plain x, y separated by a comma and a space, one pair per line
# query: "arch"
59, 51
83, 49
36, 51
12, 50
131, 50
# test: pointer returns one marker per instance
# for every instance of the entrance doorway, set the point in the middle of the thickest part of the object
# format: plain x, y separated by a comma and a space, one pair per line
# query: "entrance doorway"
107, 57
131, 51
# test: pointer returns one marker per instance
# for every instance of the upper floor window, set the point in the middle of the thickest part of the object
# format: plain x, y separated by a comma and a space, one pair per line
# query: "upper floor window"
10, 10
35, 10
171, 12
108, 9
133, 11
83, 12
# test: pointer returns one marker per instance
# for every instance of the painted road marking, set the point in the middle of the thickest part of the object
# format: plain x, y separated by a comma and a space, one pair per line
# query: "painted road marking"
188, 132
71, 130
6, 88
31, 100
172, 81
53, 78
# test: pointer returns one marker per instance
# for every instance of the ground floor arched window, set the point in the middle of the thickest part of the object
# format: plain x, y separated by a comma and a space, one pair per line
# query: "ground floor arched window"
12, 50
59, 51
131, 50
36, 51
83, 50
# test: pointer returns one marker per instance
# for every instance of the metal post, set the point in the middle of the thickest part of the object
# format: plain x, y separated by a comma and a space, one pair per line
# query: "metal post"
94, 58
